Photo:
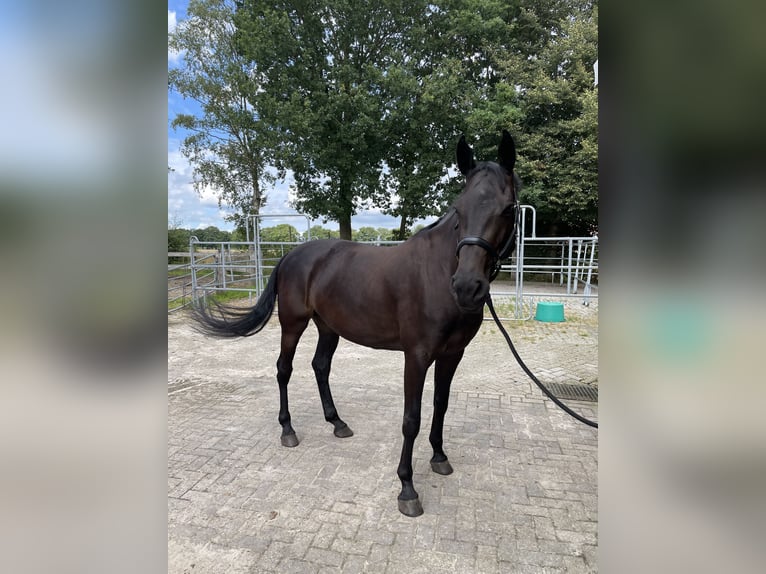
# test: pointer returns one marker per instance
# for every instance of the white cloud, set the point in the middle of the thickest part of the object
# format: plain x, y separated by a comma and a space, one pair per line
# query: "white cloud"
195, 211
171, 21
208, 196
173, 57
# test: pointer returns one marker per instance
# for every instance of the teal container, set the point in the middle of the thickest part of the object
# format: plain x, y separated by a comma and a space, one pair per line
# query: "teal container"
550, 312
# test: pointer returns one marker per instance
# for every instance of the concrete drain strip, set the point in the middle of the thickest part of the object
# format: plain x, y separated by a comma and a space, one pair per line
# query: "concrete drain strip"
574, 392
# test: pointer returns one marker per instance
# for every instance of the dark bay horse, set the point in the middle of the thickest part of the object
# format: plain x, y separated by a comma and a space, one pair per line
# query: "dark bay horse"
424, 297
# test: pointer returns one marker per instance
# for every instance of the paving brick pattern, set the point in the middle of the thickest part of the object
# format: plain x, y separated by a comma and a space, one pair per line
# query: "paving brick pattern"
523, 497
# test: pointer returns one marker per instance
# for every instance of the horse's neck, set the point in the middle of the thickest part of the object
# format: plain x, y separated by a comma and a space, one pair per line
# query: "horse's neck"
441, 241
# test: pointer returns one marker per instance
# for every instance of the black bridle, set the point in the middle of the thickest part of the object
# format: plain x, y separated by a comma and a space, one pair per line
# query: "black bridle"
495, 256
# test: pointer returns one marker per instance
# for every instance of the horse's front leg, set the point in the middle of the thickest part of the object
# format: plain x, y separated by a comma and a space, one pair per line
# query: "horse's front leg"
444, 370
415, 367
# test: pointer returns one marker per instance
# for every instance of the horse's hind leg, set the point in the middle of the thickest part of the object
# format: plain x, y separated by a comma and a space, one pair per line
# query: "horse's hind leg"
444, 370
328, 342
290, 337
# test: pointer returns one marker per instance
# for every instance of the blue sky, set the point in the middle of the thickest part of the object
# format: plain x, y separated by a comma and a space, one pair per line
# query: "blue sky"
190, 210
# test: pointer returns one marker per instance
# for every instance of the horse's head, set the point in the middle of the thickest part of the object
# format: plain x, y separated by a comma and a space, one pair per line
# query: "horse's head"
487, 212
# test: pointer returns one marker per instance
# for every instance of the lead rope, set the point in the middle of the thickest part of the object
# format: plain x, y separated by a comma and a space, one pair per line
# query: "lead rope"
547, 393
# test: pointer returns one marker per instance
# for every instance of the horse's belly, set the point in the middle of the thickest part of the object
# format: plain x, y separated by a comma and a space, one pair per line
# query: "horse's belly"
376, 342
364, 329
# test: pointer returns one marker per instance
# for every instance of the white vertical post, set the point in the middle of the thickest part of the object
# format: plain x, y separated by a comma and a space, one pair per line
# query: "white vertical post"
569, 268
258, 256
561, 269
586, 291
223, 266
578, 267
521, 226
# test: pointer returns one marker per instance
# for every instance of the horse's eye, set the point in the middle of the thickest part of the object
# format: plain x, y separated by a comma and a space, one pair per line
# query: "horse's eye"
509, 211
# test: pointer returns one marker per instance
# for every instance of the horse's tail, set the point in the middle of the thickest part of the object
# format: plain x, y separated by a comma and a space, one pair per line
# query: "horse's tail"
231, 321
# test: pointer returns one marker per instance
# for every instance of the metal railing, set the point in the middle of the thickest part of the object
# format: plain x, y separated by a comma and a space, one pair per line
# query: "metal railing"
244, 267
571, 260
179, 282
234, 267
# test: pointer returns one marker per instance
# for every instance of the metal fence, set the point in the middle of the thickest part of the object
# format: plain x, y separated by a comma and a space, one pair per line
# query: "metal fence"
235, 269
567, 265
179, 281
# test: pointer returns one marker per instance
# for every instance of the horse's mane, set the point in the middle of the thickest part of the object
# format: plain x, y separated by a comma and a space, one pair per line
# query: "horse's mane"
436, 223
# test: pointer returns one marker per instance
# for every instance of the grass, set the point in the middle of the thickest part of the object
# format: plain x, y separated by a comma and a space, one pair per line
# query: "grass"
177, 303
503, 309
178, 272
224, 296
218, 296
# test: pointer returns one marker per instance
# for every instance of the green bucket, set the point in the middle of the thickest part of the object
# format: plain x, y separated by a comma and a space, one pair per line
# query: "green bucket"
550, 312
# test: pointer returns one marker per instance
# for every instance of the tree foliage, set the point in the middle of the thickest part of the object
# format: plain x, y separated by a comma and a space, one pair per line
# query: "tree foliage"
178, 240
372, 234
211, 234
325, 70
363, 101
534, 76
319, 232
228, 144
284, 232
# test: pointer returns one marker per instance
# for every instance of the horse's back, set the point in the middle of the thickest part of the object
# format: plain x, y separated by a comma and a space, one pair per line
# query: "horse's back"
334, 259
350, 286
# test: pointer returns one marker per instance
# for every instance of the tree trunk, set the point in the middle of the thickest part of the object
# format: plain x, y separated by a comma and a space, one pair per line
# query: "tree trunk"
345, 226
403, 228
344, 221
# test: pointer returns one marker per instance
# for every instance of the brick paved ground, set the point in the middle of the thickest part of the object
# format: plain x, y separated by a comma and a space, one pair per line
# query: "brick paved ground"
523, 497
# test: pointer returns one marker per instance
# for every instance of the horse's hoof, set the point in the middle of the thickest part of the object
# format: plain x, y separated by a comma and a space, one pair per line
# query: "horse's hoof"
443, 467
343, 432
411, 508
290, 440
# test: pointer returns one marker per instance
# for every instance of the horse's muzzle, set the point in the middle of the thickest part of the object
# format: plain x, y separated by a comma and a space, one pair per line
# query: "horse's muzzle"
470, 291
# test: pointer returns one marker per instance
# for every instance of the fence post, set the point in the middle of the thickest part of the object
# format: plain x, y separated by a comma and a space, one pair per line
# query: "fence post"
561, 269
578, 266
569, 268
521, 224
193, 268
586, 289
222, 267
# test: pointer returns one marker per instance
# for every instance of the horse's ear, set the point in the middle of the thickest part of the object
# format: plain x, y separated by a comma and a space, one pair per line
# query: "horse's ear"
506, 152
465, 160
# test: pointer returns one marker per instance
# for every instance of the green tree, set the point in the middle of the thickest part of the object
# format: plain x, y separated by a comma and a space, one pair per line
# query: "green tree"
532, 71
228, 144
366, 234
560, 125
284, 232
324, 68
238, 234
427, 104
386, 234
211, 234
363, 101
319, 232
178, 240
